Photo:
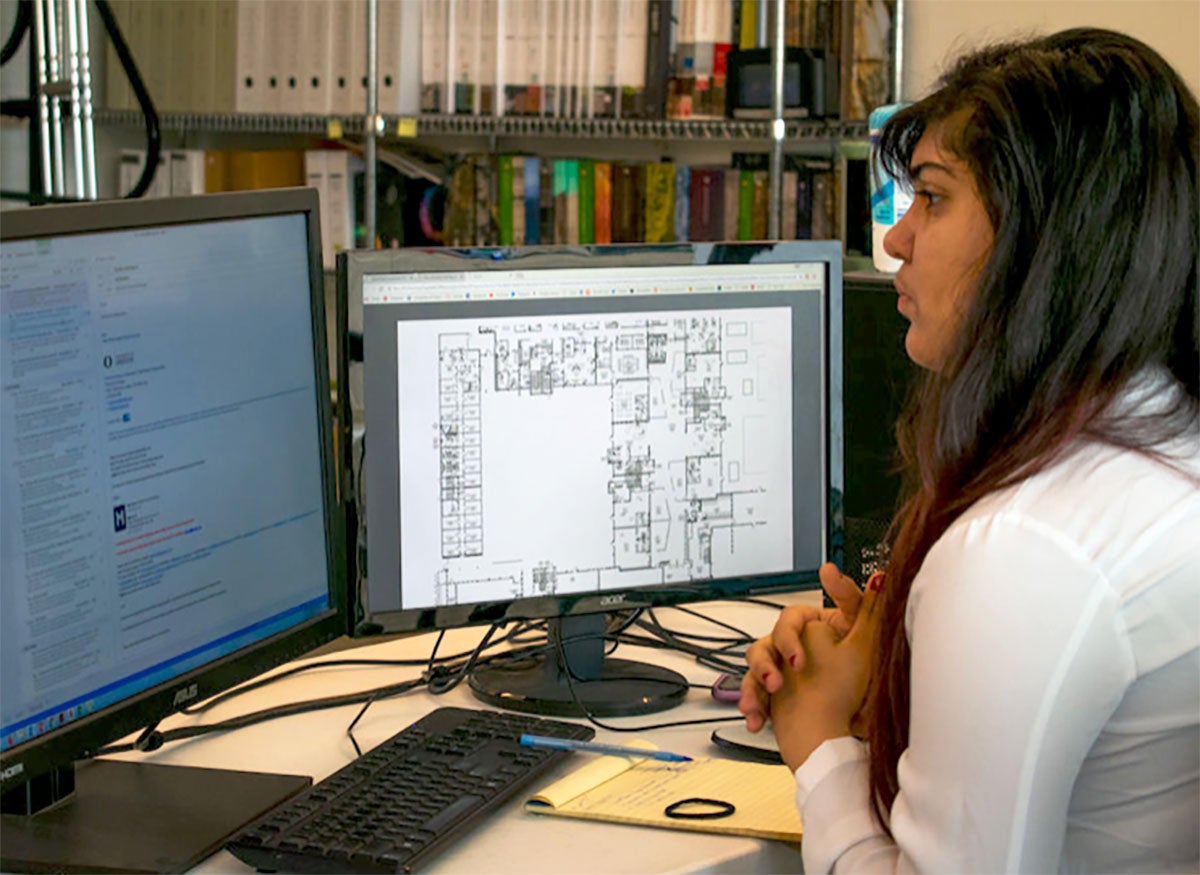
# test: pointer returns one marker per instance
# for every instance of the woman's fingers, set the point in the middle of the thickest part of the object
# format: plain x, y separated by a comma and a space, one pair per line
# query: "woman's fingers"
761, 679
845, 594
785, 637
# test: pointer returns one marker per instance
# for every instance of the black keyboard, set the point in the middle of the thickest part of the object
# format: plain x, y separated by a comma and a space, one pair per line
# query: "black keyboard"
396, 806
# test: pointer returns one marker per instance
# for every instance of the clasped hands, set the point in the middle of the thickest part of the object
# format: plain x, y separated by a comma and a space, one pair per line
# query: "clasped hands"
809, 677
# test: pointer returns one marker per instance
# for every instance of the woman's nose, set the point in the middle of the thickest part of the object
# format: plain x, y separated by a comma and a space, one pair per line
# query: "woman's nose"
897, 242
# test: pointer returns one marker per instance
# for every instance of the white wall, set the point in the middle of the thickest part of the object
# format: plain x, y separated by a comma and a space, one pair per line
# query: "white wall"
936, 31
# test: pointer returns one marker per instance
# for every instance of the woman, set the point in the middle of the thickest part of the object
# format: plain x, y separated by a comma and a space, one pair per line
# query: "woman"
1026, 675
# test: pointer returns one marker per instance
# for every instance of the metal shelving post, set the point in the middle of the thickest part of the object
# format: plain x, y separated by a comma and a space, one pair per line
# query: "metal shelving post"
778, 127
373, 120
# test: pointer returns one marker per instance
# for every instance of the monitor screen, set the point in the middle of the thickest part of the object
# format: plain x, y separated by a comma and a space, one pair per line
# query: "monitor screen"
168, 512
561, 432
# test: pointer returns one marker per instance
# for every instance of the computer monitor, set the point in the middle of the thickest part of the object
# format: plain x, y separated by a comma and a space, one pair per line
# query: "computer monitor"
563, 432
169, 517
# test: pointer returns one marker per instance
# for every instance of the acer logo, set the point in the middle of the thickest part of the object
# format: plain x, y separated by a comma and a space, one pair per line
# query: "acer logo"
12, 771
607, 601
185, 694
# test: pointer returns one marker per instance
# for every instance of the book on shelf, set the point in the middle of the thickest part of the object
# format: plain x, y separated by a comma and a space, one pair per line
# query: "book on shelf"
705, 204
332, 173
602, 214
570, 205
487, 231
627, 197
518, 200
526, 199
560, 58
533, 174
731, 200
587, 201
787, 226
658, 57
659, 210
606, 57
459, 218
433, 55
745, 204
186, 168
681, 79
632, 20
504, 198
546, 221
682, 192
760, 204
487, 57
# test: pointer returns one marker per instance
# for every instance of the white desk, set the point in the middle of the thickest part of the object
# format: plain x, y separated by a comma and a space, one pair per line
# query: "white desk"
511, 841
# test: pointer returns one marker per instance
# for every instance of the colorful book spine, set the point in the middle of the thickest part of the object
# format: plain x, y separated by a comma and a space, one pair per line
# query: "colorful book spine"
705, 207
761, 209
504, 192
487, 232
532, 214
627, 226
660, 203
732, 187
602, 202
587, 201
745, 204
658, 57
546, 202
518, 200
683, 184
571, 205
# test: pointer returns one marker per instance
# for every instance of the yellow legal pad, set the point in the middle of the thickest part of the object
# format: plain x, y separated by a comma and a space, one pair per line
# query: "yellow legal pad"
637, 791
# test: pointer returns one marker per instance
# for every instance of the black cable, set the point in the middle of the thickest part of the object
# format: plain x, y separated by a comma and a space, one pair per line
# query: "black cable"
449, 680
152, 739
153, 136
439, 678
20, 28
350, 729
333, 663
208, 704
740, 633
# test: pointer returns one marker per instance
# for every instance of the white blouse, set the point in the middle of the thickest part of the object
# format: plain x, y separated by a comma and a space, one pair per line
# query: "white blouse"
1055, 724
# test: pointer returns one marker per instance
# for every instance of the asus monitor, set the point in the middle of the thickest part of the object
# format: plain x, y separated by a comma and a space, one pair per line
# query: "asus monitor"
169, 517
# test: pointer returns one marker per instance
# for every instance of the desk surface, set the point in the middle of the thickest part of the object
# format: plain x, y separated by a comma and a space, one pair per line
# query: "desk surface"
512, 840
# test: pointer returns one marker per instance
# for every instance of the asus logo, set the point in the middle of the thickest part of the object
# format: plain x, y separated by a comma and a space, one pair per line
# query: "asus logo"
12, 771
185, 694
607, 601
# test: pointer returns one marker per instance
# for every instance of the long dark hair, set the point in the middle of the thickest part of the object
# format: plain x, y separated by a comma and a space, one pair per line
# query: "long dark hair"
1083, 146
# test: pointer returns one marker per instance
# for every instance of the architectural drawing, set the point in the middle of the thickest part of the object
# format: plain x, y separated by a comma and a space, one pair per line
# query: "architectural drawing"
695, 465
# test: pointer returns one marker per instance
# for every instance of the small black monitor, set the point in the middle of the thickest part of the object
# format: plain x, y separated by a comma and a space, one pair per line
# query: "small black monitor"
565, 432
169, 517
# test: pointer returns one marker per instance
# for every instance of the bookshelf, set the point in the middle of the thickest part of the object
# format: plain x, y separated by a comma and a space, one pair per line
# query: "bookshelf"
367, 28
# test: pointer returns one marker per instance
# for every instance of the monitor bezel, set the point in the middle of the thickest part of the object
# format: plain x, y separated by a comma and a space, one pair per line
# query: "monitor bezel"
354, 267
84, 736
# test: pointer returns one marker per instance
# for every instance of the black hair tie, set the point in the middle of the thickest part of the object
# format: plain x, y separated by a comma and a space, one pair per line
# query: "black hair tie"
722, 809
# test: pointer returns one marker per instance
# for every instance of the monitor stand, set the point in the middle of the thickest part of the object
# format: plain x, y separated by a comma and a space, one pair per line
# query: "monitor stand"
589, 683
140, 817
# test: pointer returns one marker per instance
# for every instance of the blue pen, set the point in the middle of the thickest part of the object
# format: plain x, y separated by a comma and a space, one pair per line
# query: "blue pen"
595, 747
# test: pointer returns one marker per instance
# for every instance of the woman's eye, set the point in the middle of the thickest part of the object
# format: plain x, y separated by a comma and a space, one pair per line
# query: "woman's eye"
930, 198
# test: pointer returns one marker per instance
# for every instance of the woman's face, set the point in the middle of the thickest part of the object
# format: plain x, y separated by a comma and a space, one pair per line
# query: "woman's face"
943, 241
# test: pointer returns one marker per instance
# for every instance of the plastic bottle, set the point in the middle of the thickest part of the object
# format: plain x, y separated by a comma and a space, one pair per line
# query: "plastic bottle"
890, 198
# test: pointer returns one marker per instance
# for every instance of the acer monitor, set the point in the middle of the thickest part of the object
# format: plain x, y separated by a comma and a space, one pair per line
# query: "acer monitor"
169, 520
564, 432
